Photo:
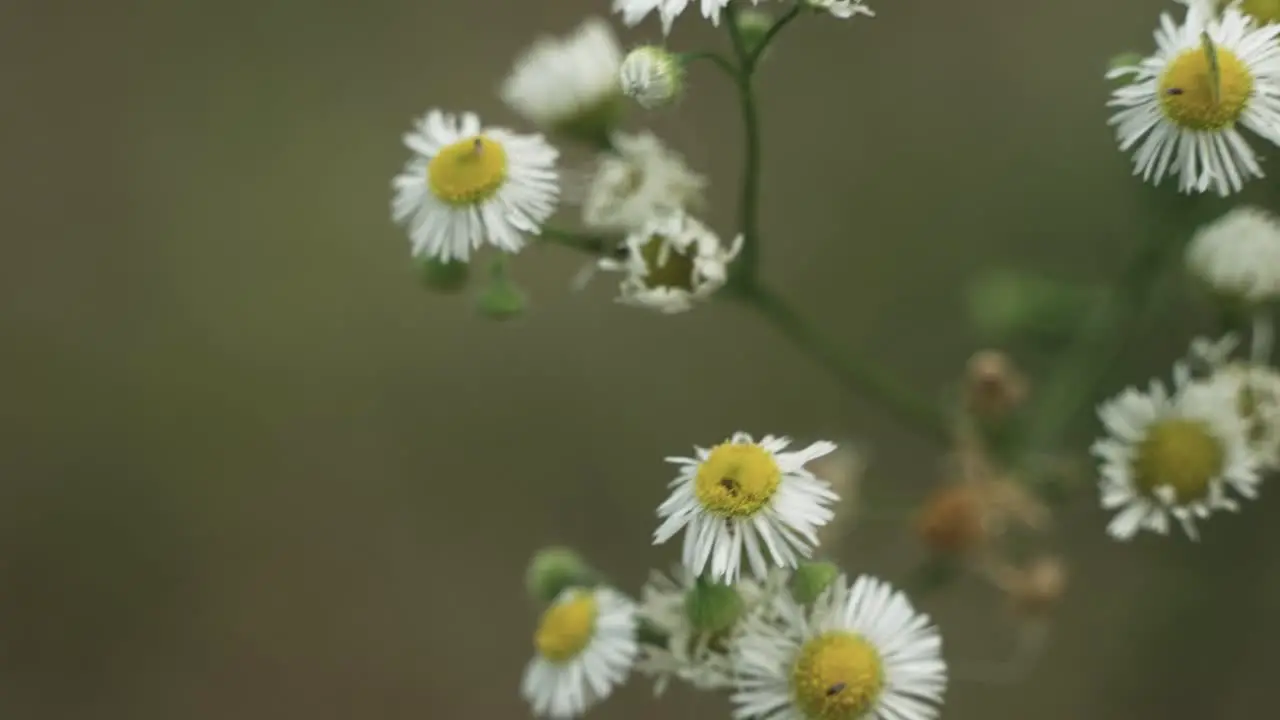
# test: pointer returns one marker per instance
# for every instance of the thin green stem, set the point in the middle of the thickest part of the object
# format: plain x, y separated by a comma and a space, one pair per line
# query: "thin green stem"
748, 264
721, 62
772, 32
864, 378
582, 242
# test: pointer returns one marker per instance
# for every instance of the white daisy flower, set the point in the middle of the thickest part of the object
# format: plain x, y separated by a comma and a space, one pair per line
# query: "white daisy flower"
671, 263
1173, 455
1257, 392
586, 645
862, 652
843, 9
570, 85
1168, 109
640, 179
467, 185
698, 658
635, 11
1238, 255
750, 497
651, 76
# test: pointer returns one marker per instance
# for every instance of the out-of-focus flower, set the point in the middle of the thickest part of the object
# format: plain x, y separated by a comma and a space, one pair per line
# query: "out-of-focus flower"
570, 85
1238, 255
640, 179
586, 646
1173, 455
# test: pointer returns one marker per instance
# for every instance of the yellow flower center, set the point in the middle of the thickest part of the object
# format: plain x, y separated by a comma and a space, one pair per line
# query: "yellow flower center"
1179, 453
469, 171
1186, 90
737, 480
1264, 11
566, 628
838, 676
667, 266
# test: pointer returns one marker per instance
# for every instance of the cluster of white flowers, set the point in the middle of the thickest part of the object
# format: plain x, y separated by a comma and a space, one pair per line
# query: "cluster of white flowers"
850, 650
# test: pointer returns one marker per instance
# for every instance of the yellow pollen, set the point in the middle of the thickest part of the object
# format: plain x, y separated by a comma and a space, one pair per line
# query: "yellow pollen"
566, 628
1264, 11
469, 171
1186, 94
667, 266
737, 480
1180, 453
838, 676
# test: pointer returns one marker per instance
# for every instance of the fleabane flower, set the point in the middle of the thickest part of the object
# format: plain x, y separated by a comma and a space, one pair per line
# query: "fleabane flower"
861, 653
1170, 112
635, 11
1256, 389
570, 85
697, 656
1173, 454
843, 9
671, 263
585, 647
651, 76
639, 179
746, 497
466, 186
1238, 255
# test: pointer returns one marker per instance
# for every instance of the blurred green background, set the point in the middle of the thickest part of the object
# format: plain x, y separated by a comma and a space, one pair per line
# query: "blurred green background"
250, 469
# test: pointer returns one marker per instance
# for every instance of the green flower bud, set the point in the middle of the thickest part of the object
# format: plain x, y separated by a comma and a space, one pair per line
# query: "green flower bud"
753, 25
444, 277
501, 300
1009, 306
811, 579
555, 569
713, 608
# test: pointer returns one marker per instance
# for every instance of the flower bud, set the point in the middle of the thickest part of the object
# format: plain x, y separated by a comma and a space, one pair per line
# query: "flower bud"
554, 569
501, 300
993, 386
1034, 590
444, 277
713, 608
811, 579
652, 76
951, 521
753, 25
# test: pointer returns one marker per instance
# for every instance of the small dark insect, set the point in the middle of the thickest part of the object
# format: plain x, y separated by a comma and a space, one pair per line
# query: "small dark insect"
730, 485
836, 689
479, 145
1173, 91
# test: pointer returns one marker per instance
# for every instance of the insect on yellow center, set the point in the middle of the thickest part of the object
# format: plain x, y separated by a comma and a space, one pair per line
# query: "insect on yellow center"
1179, 453
666, 265
566, 628
737, 480
1186, 90
469, 171
1264, 11
837, 676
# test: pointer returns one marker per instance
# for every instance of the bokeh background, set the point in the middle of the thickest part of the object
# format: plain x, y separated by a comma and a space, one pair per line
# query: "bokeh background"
249, 468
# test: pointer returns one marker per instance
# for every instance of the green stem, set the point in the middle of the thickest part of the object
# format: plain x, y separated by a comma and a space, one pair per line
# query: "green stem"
860, 376
748, 263
582, 242
721, 62
772, 32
